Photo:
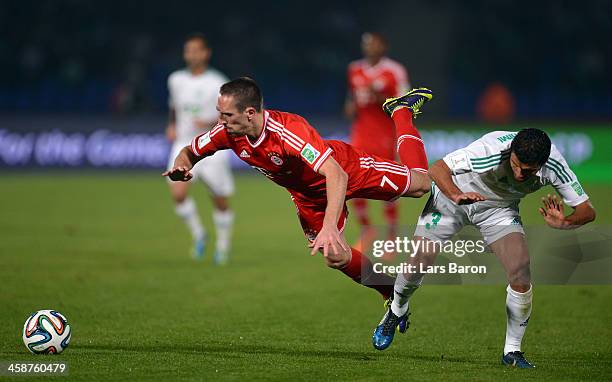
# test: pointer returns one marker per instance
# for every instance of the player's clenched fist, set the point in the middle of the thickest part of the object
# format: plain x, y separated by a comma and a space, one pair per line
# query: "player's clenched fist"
179, 174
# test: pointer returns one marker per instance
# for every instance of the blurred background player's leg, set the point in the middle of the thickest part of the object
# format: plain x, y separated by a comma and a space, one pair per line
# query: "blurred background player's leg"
186, 208
217, 175
223, 218
368, 233
391, 213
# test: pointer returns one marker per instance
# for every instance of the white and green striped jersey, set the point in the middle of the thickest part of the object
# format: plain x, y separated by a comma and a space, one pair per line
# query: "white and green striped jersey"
193, 97
484, 167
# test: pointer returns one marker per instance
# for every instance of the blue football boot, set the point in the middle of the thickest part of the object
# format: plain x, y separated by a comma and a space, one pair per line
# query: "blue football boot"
199, 248
384, 332
412, 100
516, 359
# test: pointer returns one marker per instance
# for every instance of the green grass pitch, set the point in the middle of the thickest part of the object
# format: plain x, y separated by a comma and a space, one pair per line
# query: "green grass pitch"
107, 251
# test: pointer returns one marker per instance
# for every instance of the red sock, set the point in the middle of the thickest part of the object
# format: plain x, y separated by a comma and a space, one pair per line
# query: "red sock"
410, 146
361, 210
360, 269
391, 213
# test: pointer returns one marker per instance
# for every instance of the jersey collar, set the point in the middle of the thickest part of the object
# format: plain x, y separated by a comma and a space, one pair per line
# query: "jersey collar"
263, 131
373, 69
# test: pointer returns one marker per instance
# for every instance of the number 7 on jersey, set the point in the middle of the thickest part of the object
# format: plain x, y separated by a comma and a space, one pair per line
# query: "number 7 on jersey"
388, 181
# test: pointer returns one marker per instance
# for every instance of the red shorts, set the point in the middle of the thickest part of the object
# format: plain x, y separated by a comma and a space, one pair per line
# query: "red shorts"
311, 215
373, 178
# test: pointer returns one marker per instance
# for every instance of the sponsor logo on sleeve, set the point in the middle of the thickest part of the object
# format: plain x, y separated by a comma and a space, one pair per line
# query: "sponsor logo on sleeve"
310, 153
203, 140
460, 162
578, 188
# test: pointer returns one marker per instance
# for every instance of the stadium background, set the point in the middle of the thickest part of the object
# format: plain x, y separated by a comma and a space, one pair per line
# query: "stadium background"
87, 227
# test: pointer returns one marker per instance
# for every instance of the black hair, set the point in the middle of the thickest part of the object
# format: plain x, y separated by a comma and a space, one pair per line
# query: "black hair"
198, 36
377, 35
245, 91
531, 146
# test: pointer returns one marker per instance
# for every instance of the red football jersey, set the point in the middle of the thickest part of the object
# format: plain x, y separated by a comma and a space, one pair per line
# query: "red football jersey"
290, 151
371, 124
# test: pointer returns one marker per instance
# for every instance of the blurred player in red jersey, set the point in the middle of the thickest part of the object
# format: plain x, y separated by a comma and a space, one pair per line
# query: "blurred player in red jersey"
371, 80
318, 174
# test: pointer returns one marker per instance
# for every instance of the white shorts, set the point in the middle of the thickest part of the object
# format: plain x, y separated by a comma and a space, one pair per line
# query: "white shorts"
214, 171
441, 219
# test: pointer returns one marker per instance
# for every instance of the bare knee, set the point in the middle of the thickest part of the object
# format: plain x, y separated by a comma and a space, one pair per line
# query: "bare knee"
337, 260
179, 197
221, 203
179, 191
519, 276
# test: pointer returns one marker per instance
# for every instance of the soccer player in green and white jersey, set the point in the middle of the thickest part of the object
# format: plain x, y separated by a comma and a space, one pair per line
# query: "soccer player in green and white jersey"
482, 185
193, 100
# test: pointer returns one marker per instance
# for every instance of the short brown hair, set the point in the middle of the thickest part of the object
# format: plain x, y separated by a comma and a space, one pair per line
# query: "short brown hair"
246, 93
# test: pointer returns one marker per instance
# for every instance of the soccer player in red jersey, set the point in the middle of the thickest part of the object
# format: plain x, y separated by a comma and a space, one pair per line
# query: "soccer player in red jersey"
371, 80
319, 174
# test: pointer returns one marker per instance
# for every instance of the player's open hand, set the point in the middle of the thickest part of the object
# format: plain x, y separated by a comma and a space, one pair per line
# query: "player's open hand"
331, 241
468, 198
179, 174
553, 211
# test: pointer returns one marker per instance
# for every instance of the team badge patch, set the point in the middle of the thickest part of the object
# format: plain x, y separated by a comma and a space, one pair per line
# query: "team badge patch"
578, 188
310, 153
204, 140
460, 162
275, 158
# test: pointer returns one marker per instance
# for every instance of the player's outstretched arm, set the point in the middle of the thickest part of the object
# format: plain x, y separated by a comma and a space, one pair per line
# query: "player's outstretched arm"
554, 213
440, 173
329, 238
183, 163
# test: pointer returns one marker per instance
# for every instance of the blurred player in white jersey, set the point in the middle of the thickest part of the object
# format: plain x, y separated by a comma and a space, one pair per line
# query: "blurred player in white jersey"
193, 99
482, 185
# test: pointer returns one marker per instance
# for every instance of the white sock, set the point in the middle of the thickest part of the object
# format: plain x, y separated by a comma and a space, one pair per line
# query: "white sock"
518, 309
224, 221
188, 211
402, 290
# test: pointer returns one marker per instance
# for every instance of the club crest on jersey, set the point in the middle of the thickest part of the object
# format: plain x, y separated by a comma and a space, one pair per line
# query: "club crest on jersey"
578, 188
310, 153
204, 140
275, 158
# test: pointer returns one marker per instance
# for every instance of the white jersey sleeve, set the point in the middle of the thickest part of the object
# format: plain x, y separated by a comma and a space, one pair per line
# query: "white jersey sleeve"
482, 155
557, 173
